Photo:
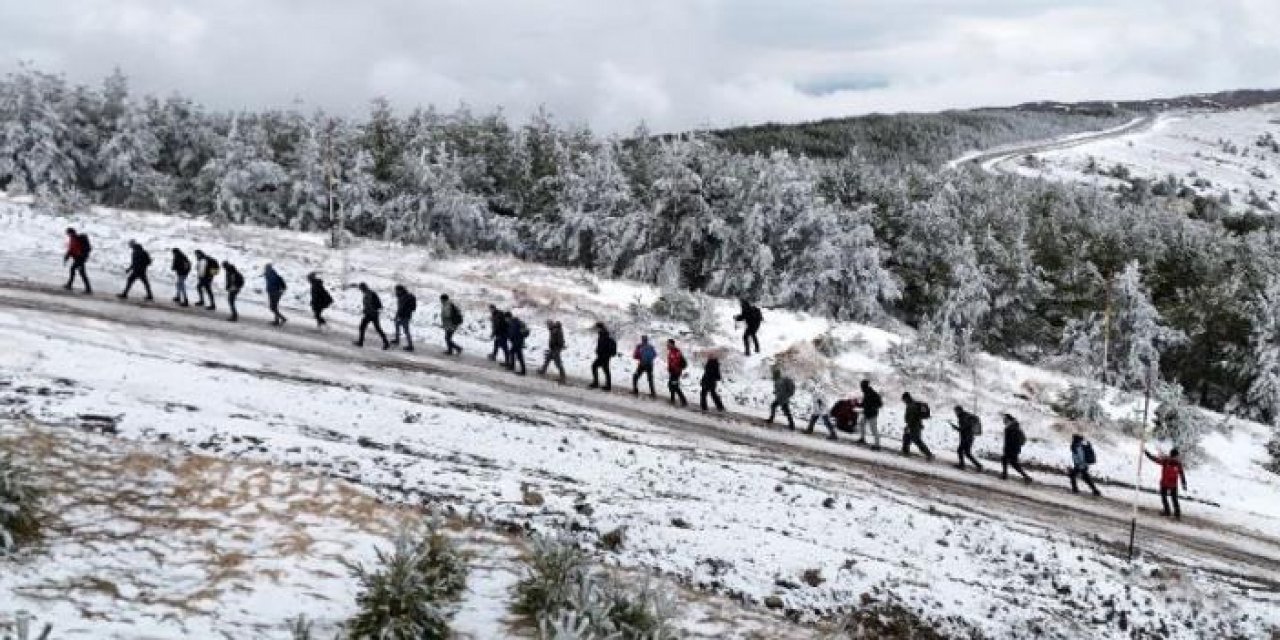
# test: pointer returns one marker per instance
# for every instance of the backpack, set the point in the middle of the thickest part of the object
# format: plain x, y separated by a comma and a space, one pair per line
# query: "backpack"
975, 423
213, 269
925, 414
684, 364
455, 315
788, 387
85, 247
410, 303
146, 258
524, 329
1089, 456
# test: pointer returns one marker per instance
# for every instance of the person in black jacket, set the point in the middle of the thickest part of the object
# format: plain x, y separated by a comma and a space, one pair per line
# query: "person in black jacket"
871, 404
320, 298
206, 270
371, 314
234, 283
406, 304
710, 380
915, 416
606, 349
750, 314
1014, 438
139, 262
555, 346
968, 425
498, 333
181, 268
517, 332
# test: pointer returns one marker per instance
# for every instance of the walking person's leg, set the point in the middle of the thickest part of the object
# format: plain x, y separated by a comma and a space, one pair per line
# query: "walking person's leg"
786, 411
715, 395
559, 366
1084, 473
608, 375
1071, 474
653, 393
231, 302
1177, 508
969, 452
128, 284
1164, 501
364, 325
146, 283
773, 410
1017, 466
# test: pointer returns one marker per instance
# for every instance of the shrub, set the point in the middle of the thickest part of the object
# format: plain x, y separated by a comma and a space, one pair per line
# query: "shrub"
876, 620
570, 601
19, 507
409, 593
1081, 402
685, 306
1177, 422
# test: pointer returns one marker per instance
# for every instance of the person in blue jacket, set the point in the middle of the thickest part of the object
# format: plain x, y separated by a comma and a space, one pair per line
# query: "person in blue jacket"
1081, 452
644, 355
275, 291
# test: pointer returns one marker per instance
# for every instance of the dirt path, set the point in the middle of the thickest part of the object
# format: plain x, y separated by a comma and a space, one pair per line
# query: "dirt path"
1247, 557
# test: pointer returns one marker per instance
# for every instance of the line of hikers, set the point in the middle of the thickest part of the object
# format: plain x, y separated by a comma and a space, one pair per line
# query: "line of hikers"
509, 335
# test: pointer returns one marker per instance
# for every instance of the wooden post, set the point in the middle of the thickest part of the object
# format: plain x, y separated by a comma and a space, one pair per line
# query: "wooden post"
1142, 450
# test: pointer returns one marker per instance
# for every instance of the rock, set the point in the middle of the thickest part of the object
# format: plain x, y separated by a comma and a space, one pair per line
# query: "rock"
532, 498
612, 541
773, 602
829, 503
943, 543
680, 523
1029, 557
584, 508
813, 577
786, 584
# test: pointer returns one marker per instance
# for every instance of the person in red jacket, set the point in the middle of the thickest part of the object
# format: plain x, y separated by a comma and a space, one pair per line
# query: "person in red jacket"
676, 364
77, 254
1170, 473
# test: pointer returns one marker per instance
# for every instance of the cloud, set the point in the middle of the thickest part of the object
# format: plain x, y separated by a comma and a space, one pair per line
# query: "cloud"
673, 63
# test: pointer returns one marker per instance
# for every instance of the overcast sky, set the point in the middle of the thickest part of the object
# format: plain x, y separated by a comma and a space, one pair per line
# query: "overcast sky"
672, 63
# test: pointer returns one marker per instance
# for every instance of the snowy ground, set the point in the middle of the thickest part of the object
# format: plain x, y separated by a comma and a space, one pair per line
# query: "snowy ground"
711, 502
1215, 153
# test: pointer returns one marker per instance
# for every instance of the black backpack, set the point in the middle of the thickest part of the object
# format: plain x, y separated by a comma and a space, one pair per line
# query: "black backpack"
455, 314
925, 414
84, 243
146, 258
1089, 456
410, 303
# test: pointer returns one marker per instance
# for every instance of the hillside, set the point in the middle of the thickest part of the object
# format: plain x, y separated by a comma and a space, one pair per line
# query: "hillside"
1212, 163
934, 138
759, 526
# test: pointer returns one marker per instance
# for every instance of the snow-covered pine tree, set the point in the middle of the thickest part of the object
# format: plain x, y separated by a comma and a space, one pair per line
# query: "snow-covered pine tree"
1139, 333
34, 140
126, 164
1262, 365
967, 303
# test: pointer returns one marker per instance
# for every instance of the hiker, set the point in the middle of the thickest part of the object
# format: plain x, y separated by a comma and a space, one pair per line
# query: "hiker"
871, 404
970, 427
1081, 457
818, 411
517, 331
1014, 438
181, 267
644, 355
555, 345
606, 349
275, 291
139, 262
751, 315
406, 304
450, 319
1171, 472
320, 298
206, 270
915, 415
370, 314
498, 332
234, 283
676, 364
710, 380
845, 412
78, 249
783, 389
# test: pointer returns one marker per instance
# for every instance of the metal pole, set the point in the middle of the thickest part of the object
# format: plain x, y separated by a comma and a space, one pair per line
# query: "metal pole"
1142, 449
